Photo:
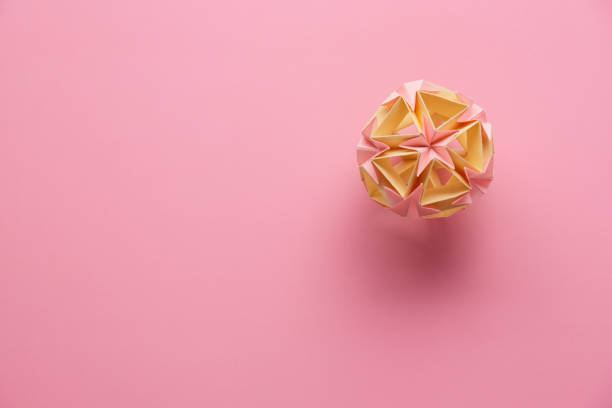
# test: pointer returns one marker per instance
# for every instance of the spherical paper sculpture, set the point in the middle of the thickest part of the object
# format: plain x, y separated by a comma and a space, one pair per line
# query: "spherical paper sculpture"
426, 148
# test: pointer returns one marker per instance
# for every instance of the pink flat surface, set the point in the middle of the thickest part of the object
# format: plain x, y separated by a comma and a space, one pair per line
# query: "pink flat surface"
182, 222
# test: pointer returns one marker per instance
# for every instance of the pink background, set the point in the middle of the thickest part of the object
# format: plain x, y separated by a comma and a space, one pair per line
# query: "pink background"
182, 222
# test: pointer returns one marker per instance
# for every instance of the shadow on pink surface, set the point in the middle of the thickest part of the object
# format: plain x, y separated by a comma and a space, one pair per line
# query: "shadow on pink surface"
410, 256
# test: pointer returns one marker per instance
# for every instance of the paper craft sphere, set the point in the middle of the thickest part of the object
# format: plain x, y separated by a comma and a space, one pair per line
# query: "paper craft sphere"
426, 150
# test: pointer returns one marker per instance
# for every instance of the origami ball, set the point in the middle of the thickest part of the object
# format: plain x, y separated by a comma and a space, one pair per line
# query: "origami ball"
427, 150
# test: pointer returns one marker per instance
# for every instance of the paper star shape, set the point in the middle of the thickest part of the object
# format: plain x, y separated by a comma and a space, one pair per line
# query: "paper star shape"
431, 144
